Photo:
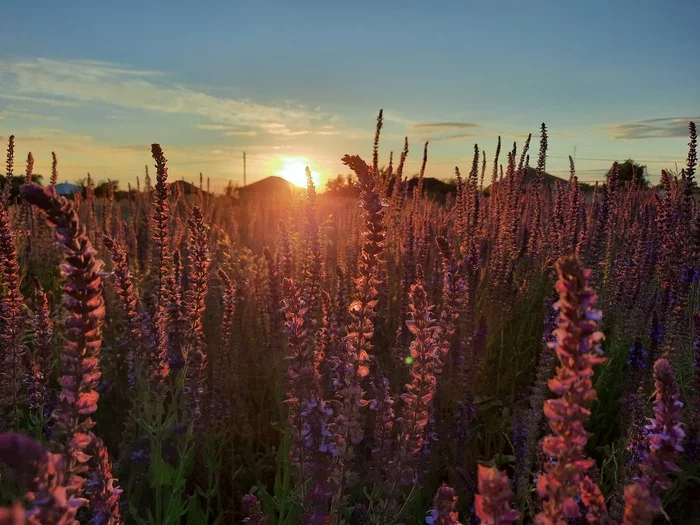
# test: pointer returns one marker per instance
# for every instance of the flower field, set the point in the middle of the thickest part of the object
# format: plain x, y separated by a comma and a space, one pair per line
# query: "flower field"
527, 351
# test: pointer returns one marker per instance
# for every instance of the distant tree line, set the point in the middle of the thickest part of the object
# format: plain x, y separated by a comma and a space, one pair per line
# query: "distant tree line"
17, 181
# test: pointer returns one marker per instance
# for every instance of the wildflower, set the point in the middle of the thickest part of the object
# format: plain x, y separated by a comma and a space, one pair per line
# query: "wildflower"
274, 290
253, 511
160, 262
665, 432
314, 442
160, 225
128, 297
9, 170
12, 351
195, 351
382, 404
492, 503
665, 435
80, 357
449, 314
426, 364
639, 506
54, 169
362, 310
444, 507
229, 307
39, 398
43, 475
29, 171
313, 261
578, 350
219, 405
100, 489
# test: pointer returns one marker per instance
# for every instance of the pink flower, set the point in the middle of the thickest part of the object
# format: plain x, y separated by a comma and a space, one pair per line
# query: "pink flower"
643, 497
84, 302
578, 350
492, 504
444, 507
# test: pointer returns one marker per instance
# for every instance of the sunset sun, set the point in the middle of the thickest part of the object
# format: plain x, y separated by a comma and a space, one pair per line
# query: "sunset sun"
293, 169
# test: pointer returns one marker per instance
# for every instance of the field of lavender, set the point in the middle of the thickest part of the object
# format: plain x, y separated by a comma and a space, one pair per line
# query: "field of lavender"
525, 352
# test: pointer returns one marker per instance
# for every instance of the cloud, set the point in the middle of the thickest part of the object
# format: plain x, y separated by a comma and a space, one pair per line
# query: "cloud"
228, 131
51, 136
89, 82
27, 116
450, 138
212, 127
443, 126
278, 128
652, 128
327, 130
240, 133
35, 100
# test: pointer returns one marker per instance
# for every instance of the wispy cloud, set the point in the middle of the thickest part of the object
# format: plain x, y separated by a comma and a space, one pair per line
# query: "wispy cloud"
443, 126
279, 128
240, 133
327, 130
33, 100
51, 136
212, 127
27, 116
652, 128
90, 82
450, 138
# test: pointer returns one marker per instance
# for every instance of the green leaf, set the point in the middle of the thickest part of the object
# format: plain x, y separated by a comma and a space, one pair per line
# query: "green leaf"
269, 504
195, 514
160, 473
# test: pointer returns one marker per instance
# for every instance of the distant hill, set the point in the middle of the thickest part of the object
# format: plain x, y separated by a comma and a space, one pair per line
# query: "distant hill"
531, 176
434, 188
438, 189
269, 187
549, 179
186, 188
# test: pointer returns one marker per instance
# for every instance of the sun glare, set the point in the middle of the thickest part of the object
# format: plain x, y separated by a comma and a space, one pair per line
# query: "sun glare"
293, 169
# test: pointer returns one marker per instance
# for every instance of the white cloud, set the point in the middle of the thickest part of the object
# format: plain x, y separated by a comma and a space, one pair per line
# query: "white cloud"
27, 115
84, 82
240, 133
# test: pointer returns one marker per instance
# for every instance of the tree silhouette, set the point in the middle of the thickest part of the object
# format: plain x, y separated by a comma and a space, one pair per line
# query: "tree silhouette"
628, 171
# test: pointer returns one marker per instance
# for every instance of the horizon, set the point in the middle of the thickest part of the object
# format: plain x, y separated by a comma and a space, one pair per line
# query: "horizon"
256, 80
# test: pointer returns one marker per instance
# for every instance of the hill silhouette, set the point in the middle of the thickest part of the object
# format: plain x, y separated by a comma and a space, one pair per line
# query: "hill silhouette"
436, 189
271, 187
187, 188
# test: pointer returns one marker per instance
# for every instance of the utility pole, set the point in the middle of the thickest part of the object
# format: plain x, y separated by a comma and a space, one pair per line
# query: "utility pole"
244, 173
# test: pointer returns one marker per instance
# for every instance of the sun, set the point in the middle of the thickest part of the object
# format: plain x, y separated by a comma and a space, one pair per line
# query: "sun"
293, 169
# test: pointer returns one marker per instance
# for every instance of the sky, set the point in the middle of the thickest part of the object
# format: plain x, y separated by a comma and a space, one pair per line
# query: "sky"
290, 82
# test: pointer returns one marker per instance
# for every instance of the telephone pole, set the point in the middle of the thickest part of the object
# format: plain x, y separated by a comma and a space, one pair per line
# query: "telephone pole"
244, 173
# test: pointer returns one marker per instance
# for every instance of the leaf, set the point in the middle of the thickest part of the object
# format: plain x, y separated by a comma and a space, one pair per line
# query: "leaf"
269, 505
160, 473
195, 514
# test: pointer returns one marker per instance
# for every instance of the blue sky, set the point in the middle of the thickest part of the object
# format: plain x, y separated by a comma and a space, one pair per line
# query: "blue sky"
98, 83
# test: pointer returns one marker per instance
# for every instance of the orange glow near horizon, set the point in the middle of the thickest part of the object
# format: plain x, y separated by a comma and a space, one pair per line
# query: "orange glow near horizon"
293, 169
